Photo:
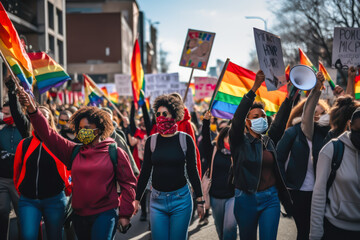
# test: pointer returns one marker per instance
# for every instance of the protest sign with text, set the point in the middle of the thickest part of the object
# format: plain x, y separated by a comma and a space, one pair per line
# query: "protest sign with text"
204, 87
346, 47
269, 51
197, 49
123, 85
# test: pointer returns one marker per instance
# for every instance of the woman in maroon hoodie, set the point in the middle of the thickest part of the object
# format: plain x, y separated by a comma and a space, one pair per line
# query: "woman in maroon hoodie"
97, 206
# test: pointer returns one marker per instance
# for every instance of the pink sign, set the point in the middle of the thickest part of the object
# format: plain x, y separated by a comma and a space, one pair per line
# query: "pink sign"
204, 87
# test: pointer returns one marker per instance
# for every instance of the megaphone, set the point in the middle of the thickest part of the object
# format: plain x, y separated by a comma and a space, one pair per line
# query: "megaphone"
302, 77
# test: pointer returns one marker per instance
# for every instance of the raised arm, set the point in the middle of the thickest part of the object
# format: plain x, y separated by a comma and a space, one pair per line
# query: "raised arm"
147, 120
59, 146
236, 133
307, 124
132, 119
206, 138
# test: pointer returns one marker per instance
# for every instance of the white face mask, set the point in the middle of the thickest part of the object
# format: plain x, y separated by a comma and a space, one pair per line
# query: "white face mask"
259, 125
324, 120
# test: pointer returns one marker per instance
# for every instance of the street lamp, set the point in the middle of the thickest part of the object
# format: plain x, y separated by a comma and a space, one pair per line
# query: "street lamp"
260, 18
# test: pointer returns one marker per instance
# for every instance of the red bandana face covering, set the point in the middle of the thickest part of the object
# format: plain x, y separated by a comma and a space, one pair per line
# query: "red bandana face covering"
9, 120
166, 125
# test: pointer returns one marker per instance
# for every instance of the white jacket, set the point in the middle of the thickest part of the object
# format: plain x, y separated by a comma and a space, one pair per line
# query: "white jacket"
344, 194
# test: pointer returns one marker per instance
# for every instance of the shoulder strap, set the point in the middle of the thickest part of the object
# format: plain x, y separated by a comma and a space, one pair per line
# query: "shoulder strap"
183, 144
113, 157
335, 164
153, 139
75, 152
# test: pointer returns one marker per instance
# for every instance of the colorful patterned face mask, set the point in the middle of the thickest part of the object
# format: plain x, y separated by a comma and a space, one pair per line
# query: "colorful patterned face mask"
86, 136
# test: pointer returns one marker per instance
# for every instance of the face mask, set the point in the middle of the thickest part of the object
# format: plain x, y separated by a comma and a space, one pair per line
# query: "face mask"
166, 125
62, 122
213, 127
324, 120
86, 136
9, 120
355, 138
259, 125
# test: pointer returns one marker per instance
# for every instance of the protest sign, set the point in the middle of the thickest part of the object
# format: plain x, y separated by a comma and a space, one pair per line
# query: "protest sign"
204, 87
197, 49
346, 47
165, 83
269, 51
123, 85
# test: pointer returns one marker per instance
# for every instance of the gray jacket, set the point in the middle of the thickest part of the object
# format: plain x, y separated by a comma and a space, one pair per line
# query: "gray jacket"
344, 194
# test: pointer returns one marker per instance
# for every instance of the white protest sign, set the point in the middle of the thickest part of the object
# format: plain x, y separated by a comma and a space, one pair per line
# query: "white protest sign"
123, 85
204, 87
269, 51
165, 83
346, 47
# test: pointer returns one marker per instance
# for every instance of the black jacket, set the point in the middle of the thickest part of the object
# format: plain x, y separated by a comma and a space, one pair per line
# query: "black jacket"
247, 150
294, 142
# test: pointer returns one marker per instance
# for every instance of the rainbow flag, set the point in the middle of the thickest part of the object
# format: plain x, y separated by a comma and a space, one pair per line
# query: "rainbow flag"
304, 60
237, 81
48, 73
92, 96
137, 76
357, 87
287, 72
326, 75
14, 51
113, 97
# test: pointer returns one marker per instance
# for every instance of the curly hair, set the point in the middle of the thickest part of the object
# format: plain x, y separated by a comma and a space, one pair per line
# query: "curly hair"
96, 116
256, 105
172, 103
341, 112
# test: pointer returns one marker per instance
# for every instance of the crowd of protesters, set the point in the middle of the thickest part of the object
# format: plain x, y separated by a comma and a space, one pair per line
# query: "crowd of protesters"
85, 171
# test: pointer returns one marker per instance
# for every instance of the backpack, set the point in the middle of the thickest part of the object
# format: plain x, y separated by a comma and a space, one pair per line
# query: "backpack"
335, 164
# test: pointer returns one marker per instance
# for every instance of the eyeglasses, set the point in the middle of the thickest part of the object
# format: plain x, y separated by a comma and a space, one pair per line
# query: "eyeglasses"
158, 114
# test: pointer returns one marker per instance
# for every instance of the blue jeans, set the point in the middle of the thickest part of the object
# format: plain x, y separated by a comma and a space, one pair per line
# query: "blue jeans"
31, 211
261, 208
100, 226
170, 214
223, 214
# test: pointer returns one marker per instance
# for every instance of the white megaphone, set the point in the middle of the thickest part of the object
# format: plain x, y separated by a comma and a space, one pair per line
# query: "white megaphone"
302, 77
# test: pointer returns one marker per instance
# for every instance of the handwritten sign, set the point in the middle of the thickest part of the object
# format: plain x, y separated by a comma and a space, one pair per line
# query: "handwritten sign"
269, 51
346, 47
166, 83
123, 85
197, 49
204, 87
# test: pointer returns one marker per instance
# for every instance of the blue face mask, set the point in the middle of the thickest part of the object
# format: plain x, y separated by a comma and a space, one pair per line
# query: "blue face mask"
259, 125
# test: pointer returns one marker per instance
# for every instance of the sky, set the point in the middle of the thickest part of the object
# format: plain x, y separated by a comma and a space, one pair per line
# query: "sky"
234, 34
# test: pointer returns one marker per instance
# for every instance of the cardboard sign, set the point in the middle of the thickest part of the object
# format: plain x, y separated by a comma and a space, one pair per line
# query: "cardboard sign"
346, 47
269, 51
166, 83
197, 49
123, 85
204, 87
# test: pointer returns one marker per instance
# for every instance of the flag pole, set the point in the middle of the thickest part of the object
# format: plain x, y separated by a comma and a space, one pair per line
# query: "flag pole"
188, 86
16, 79
218, 83
103, 94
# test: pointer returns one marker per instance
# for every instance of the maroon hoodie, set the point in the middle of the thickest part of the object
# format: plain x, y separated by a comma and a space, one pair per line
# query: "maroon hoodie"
92, 171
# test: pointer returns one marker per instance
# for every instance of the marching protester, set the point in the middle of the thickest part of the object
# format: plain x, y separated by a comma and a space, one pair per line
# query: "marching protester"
221, 191
256, 175
297, 154
41, 180
335, 209
63, 126
169, 159
97, 210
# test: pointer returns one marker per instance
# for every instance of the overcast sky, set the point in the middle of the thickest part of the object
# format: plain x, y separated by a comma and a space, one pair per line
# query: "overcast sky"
234, 34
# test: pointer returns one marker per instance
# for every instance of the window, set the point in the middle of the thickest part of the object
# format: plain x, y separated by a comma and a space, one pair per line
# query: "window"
51, 15
51, 46
61, 51
59, 16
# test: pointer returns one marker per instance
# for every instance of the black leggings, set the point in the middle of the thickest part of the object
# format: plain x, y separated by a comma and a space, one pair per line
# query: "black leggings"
301, 214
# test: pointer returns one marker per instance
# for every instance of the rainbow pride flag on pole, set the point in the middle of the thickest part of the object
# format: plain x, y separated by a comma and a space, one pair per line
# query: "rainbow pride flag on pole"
304, 60
14, 52
137, 76
92, 95
48, 73
357, 87
326, 75
236, 82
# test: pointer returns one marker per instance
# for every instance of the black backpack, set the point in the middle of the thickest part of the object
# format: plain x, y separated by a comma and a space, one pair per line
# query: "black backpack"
335, 164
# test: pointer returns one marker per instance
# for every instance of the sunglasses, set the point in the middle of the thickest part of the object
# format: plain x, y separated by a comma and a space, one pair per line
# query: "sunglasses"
158, 114
124, 229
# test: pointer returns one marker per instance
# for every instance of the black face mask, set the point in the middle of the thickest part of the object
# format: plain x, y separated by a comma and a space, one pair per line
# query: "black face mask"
355, 138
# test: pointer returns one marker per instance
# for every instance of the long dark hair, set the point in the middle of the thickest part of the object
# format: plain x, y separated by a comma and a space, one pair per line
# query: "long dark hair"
220, 138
